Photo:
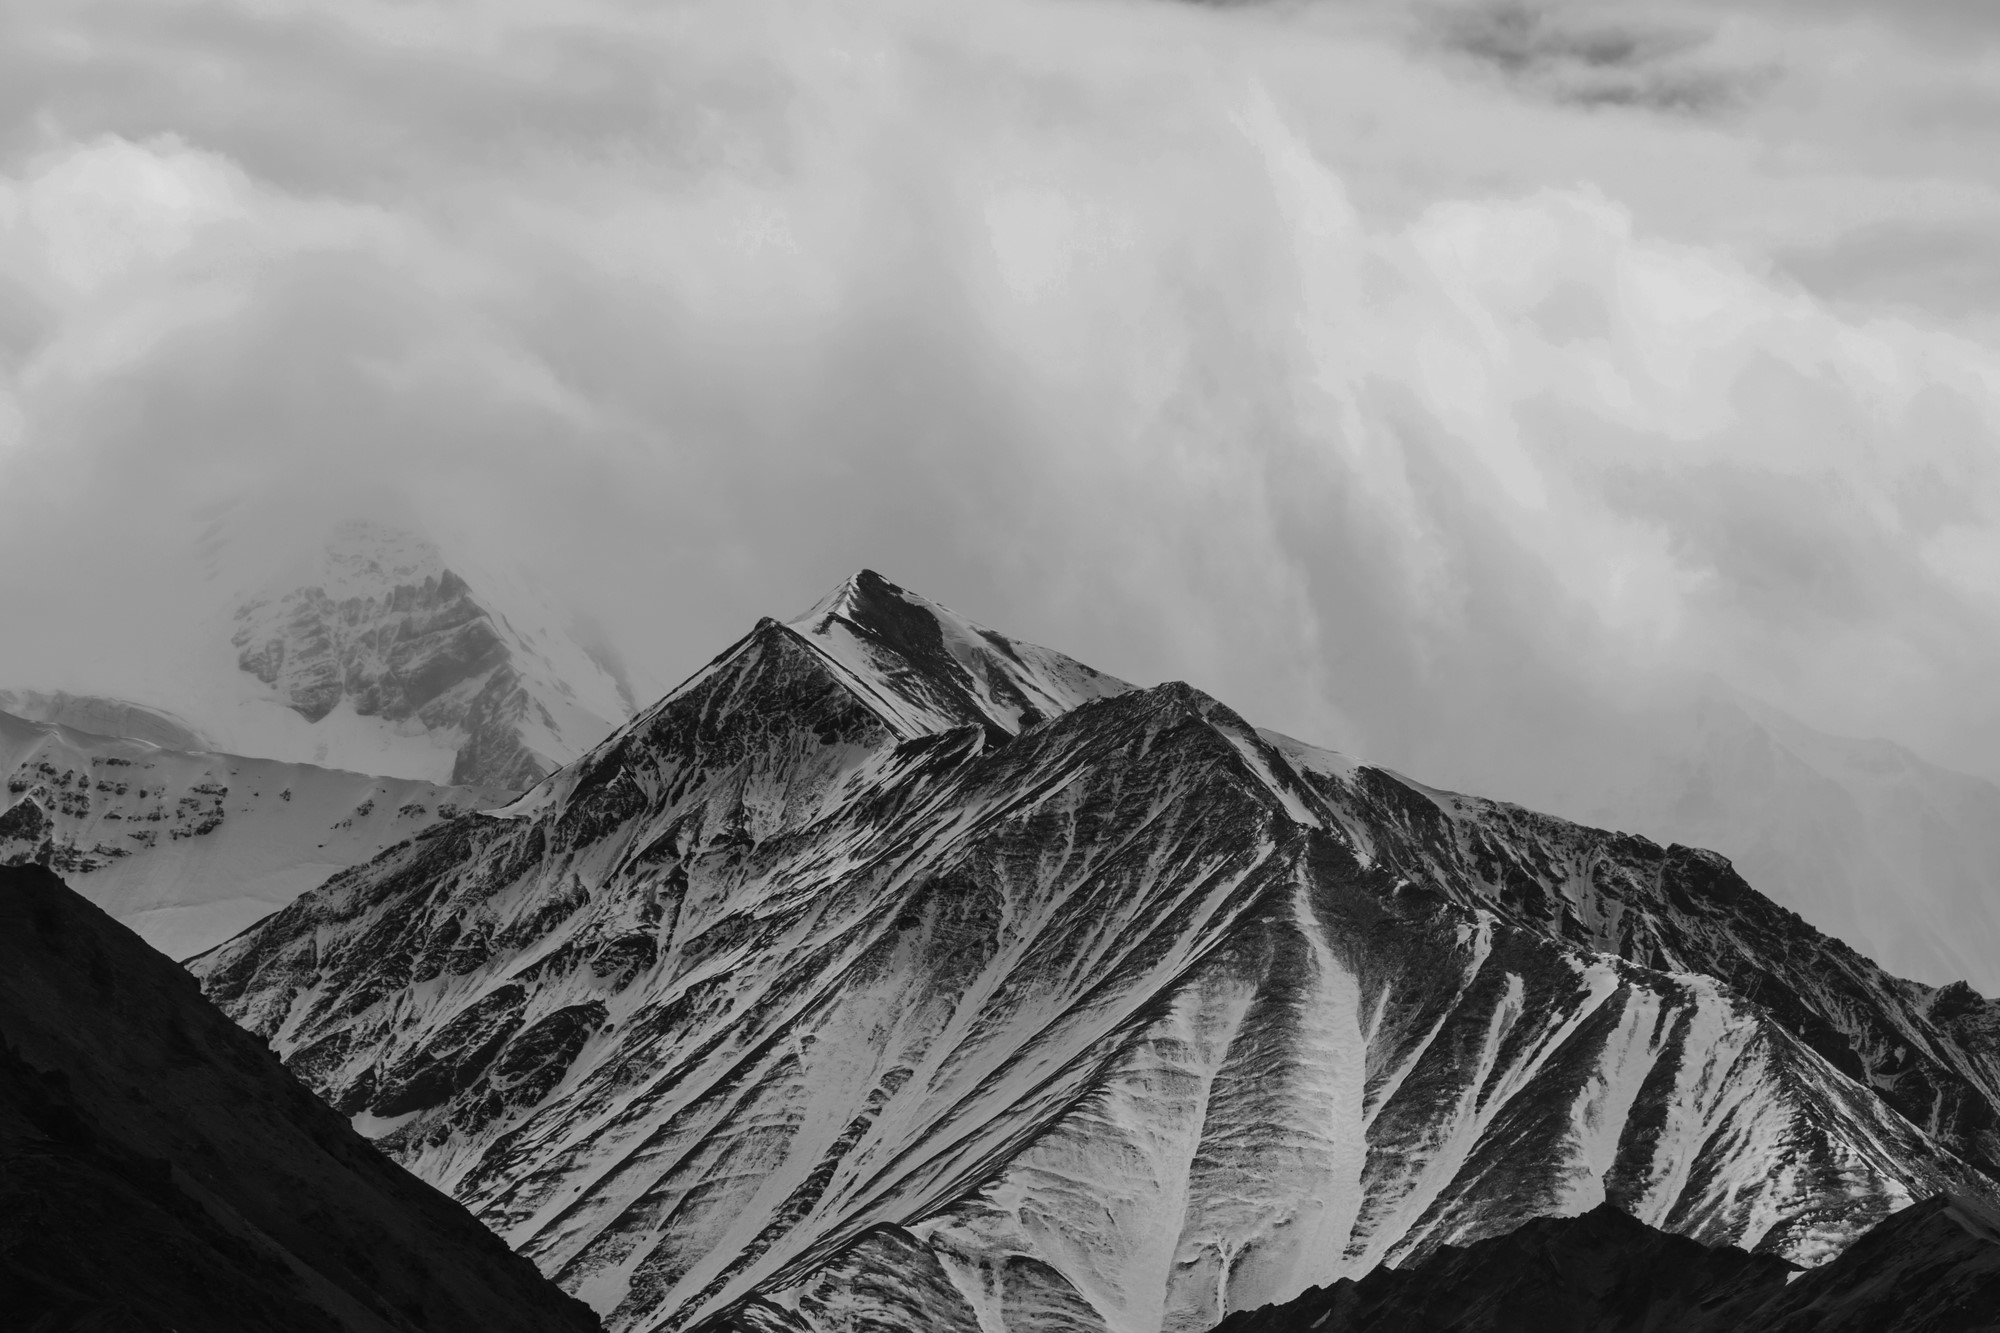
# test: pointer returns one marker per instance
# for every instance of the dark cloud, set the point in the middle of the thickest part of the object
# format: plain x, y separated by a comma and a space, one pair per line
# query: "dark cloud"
1590, 57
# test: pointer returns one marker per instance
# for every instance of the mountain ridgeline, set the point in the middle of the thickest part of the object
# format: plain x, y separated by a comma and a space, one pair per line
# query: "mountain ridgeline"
893, 973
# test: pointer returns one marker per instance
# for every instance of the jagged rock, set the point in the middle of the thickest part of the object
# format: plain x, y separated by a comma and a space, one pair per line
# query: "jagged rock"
947, 983
26, 833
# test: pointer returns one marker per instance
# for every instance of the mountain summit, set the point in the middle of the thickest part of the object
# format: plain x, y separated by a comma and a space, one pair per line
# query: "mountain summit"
893, 973
927, 669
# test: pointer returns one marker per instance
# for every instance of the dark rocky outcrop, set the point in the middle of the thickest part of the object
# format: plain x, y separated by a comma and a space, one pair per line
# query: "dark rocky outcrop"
1931, 1268
159, 1169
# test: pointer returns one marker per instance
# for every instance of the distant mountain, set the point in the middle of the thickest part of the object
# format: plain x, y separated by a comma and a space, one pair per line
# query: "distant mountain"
395, 663
189, 848
159, 1169
892, 973
1932, 1268
358, 646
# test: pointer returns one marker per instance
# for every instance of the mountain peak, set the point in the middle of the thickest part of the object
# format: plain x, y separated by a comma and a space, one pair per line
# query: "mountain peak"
927, 669
858, 596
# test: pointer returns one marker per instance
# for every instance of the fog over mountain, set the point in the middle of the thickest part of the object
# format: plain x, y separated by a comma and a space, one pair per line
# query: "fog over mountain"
1568, 402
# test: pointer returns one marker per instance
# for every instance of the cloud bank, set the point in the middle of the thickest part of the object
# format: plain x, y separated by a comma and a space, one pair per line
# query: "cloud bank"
1445, 384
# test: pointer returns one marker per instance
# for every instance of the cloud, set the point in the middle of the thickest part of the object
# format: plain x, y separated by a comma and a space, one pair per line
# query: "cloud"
1590, 57
1428, 400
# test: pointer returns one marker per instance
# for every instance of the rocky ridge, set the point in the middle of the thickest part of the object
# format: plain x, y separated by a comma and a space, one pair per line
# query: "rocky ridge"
891, 972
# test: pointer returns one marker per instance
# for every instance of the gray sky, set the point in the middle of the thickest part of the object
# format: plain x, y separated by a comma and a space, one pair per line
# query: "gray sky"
1421, 380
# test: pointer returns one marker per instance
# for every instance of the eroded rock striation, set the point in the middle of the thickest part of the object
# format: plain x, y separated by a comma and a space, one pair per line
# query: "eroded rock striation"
892, 973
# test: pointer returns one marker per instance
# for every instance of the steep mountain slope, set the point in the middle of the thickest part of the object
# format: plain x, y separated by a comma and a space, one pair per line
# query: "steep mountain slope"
189, 848
1932, 1267
160, 1170
1930, 1053
889, 973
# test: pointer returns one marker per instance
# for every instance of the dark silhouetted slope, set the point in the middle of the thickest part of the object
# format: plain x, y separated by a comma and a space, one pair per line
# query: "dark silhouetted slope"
159, 1169
1932, 1268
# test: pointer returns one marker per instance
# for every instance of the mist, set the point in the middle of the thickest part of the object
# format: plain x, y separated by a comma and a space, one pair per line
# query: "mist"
1455, 385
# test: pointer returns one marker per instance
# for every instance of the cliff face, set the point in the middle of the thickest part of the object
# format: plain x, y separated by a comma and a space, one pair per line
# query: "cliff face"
160, 1170
894, 973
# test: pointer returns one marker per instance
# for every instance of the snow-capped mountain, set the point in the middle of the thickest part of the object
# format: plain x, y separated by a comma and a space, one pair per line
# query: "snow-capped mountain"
355, 645
371, 652
187, 848
891, 973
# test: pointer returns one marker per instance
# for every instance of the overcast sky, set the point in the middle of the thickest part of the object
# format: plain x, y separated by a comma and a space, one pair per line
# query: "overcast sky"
1414, 378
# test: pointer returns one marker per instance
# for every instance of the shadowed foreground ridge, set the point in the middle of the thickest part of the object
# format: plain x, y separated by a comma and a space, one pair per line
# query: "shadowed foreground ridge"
160, 1170
891, 973
1932, 1268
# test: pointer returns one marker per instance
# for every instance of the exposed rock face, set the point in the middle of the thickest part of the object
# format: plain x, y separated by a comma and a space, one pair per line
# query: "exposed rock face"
391, 654
379, 626
1932, 1267
189, 848
892, 974
27, 834
159, 1169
